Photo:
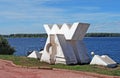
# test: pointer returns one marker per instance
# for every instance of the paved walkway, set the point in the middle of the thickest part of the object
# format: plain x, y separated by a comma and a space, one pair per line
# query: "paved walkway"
9, 70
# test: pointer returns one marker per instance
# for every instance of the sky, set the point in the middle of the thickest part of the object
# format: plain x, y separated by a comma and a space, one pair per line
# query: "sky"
28, 16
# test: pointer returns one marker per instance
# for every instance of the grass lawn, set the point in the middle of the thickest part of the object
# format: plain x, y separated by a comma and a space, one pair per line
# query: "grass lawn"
30, 62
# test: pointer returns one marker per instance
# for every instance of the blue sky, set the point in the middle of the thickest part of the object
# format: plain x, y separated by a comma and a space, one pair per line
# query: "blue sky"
28, 16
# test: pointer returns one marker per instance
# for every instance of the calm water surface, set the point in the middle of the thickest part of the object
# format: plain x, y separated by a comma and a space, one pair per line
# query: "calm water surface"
100, 45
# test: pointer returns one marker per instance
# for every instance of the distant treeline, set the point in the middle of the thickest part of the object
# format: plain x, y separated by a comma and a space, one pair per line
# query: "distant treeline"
45, 35
25, 35
102, 35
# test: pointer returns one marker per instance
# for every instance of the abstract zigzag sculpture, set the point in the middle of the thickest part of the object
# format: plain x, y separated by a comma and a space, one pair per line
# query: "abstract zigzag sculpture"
64, 44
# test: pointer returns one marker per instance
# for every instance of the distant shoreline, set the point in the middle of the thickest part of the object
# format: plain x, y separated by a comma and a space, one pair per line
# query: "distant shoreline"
44, 35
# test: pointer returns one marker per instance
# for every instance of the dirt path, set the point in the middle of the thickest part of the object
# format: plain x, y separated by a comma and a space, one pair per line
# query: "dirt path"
9, 70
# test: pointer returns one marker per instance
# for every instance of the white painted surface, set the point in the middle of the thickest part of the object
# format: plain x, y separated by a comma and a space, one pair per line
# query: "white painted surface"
67, 50
34, 54
103, 60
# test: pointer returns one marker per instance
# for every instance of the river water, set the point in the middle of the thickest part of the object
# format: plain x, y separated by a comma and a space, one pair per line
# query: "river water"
100, 45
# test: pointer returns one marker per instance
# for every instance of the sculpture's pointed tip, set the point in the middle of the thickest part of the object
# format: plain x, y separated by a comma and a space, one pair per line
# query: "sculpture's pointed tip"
48, 25
60, 26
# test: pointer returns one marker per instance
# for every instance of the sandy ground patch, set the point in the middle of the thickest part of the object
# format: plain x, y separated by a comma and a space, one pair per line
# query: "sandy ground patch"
9, 70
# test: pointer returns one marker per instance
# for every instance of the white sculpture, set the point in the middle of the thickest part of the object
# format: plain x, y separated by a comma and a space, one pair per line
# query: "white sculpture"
64, 44
103, 60
35, 54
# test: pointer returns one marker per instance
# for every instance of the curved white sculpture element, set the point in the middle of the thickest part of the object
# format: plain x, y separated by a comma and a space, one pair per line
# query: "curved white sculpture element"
64, 44
51, 48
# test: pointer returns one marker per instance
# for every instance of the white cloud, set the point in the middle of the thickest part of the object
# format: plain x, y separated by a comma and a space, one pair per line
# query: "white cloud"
34, 10
35, 13
89, 8
96, 17
100, 22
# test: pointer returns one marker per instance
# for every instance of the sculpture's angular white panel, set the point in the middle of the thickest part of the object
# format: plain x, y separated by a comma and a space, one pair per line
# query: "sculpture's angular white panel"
67, 50
55, 29
80, 51
103, 60
34, 54
65, 30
